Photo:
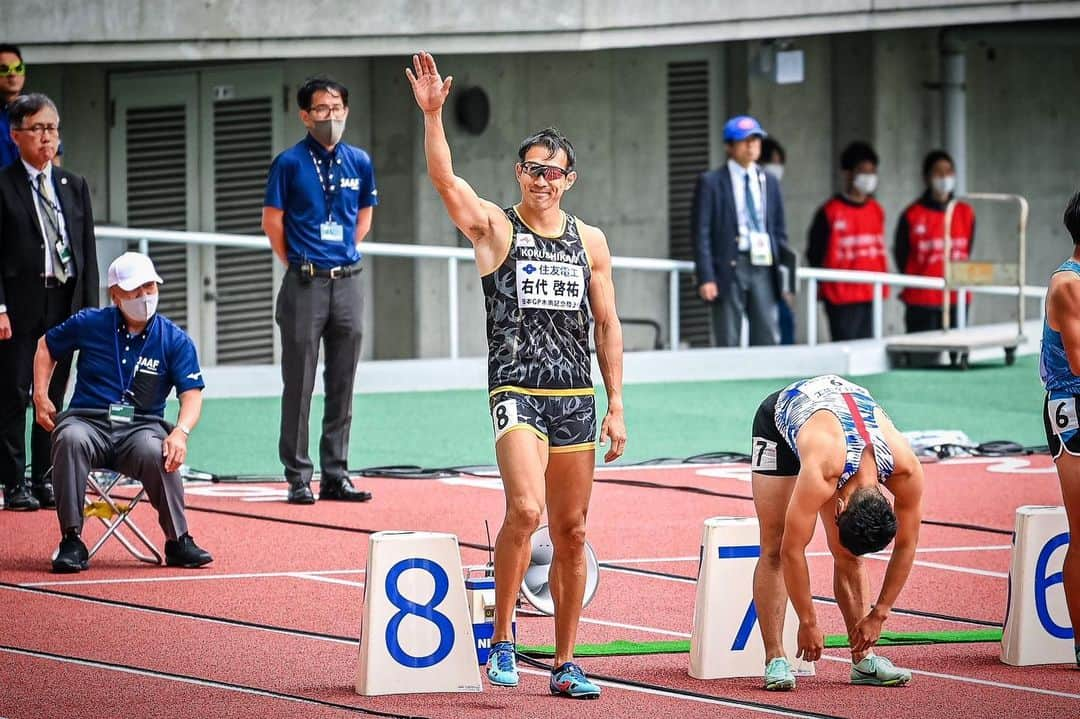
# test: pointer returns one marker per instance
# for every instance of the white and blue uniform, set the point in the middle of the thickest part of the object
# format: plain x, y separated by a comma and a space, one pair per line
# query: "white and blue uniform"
1062, 386
782, 415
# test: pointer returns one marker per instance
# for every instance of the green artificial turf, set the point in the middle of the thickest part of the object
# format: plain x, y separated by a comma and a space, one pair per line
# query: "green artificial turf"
436, 429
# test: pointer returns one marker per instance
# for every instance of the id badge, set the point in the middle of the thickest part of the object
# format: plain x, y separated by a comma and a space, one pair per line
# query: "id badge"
121, 413
760, 249
331, 232
63, 251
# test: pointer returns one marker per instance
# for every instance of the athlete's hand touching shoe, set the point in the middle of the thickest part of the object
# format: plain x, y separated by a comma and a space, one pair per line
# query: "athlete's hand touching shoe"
428, 87
613, 428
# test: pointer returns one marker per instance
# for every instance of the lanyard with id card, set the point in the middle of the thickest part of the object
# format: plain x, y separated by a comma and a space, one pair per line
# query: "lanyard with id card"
329, 231
123, 412
760, 249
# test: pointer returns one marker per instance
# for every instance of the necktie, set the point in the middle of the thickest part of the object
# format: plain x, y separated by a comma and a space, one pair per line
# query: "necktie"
751, 209
52, 227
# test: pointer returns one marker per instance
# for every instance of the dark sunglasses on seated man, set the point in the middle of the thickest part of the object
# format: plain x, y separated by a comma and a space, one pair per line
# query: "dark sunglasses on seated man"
550, 172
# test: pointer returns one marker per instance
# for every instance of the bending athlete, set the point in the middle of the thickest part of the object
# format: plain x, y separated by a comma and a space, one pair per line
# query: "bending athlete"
542, 270
824, 447
1059, 366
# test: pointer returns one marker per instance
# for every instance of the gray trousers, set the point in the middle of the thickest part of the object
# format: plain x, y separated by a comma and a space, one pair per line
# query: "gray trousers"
81, 443
310, 310
751, 295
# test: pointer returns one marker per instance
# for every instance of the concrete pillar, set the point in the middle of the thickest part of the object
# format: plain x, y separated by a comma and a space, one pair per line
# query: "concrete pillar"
954, 105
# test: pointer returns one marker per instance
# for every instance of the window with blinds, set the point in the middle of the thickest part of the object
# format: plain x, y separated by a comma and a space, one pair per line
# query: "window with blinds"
688, 156
243, 150
157, 194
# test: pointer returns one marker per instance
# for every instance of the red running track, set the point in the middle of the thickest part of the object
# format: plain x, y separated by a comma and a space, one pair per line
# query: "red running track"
270, 628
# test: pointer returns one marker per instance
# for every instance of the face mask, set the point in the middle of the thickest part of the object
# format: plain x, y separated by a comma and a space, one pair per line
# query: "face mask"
328, 132
775, 169
864, 183
943, 186
140, 309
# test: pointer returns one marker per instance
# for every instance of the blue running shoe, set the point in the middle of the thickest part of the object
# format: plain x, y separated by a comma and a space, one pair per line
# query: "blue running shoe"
502, 665
778, 676
568, 680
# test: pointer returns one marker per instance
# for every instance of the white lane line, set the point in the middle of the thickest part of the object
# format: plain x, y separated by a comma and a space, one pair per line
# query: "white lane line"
920, 550
973, 680
585, 620
210, 683
689, 580
173, 678
328, 580
778, 711
186, 578
635, 627
173, 615
947, 567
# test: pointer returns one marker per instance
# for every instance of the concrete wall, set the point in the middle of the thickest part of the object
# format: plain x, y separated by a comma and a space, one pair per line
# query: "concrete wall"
150, 30
612, 105
881, 87
884, 87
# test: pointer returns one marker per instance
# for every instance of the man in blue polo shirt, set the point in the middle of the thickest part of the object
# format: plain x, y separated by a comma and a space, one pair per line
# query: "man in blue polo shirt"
320, 197
130, 359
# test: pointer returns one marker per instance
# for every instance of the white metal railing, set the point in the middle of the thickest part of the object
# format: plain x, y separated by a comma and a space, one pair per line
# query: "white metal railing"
811, 276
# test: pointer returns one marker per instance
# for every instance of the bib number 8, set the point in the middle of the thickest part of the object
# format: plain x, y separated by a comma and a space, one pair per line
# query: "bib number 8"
425, 611
504, 416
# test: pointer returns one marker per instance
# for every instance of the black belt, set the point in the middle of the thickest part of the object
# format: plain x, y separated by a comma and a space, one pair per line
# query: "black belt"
51, 283
333, 273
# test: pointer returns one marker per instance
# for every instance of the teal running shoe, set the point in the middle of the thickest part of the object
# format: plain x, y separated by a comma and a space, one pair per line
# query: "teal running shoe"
570, 681
502, 665
879, 672
778, 676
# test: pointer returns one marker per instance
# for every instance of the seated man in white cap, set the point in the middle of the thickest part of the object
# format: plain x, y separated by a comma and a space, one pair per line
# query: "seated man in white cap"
130, 359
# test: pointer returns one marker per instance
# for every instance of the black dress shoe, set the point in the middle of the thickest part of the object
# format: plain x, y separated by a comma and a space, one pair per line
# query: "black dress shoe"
71, 556
19, 499
300, 494
43, 492
184, 552
342, 490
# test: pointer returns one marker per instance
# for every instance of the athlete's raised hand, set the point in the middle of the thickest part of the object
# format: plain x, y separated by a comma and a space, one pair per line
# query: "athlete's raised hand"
428, 87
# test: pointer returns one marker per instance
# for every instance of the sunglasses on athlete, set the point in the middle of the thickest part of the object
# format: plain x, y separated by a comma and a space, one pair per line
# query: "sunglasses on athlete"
18, 68
550, 172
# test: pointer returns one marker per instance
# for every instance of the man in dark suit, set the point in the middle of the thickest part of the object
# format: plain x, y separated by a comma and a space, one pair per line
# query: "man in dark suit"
739, 234
48, 271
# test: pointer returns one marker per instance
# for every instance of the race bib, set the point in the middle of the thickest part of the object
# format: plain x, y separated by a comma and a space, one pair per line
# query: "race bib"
1062, 414
550, 285
819, 387
504, 416
763, 457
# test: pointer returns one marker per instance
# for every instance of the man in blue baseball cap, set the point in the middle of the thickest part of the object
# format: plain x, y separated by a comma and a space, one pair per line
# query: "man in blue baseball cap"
739, 235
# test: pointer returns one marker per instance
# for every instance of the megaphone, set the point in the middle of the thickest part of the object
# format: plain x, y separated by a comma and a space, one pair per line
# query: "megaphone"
535, 589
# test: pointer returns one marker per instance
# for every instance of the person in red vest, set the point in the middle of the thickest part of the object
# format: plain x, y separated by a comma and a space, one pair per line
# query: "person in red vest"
848, 233
920, 243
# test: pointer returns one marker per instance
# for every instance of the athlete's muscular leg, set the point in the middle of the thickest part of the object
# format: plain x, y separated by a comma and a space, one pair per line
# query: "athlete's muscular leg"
522, 458
1068, 468
771, 497
569, 486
